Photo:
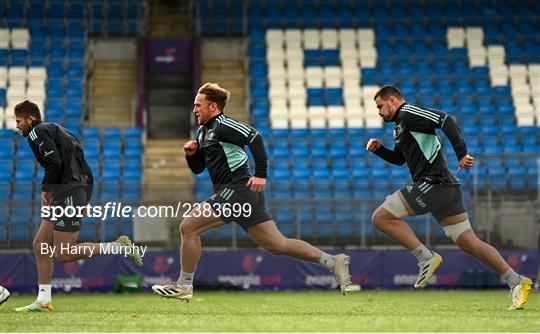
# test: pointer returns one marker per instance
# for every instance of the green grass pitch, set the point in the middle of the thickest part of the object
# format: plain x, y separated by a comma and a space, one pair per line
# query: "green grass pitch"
366, 311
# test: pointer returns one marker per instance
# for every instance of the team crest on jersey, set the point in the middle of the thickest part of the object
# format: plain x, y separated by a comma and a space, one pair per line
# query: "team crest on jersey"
398, 130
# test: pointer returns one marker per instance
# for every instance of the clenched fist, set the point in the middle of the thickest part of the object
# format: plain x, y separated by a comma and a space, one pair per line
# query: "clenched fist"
256, 184
46, 198
465, 162
190, 148
373, 145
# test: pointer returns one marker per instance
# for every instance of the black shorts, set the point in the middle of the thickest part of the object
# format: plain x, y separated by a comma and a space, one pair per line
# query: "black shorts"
441, 200
70, 222
239, 204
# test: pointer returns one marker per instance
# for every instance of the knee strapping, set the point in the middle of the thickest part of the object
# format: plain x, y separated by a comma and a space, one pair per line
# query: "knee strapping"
394, 204
454, 231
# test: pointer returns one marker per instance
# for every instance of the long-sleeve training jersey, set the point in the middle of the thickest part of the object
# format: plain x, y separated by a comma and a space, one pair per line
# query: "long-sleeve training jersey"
221, 150
60, 153
417, 144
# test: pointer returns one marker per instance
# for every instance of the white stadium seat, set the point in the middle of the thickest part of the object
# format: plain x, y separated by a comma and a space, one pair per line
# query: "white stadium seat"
293, 35
274, 35
347, 36
338, 122
36, 73
299, 122
317, 111
335, 111
312, 39
329, 38
332, 76
366, 34
20, 38
317, 122
373, 121
4, 38
17, 73
297, 93
355, 122
455, 37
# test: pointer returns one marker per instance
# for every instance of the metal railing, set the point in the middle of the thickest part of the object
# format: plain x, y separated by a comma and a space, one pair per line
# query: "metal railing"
502, 216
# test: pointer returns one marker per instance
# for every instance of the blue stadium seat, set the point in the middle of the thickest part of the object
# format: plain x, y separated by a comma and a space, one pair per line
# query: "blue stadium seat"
91, 134
451, 85
133, 150
517, 178
299, 151
132, 134
531, 148
7, 149
111, 134
497, 177
112, 152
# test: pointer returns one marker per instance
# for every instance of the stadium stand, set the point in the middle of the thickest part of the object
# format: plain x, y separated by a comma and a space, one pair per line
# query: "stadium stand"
315, 66
42, 58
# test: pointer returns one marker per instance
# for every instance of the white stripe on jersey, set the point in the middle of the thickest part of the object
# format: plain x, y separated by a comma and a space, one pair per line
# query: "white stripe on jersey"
423, 110
421, 115
427, 189
243, 126
33, 135
444, 120
234, 126
237, 123
254, 136
428, 114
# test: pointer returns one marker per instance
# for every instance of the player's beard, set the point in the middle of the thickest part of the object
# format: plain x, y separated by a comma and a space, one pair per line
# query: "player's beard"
389, 120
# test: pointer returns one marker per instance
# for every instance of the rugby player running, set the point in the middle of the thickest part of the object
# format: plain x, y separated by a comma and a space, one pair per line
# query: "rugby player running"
435, 190
219, 147
67, 184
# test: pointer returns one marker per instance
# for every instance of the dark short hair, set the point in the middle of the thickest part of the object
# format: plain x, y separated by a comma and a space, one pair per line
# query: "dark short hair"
27, 109
386, 91
215, 93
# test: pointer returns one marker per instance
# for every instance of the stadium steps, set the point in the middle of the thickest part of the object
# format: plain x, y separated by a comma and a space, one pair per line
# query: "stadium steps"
167, 175
229, 73
169, 96
169, 18
170, 100
113, 92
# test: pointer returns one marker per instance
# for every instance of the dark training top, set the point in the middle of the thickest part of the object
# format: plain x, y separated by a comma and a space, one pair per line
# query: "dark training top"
60, 153
221, 150
417, 144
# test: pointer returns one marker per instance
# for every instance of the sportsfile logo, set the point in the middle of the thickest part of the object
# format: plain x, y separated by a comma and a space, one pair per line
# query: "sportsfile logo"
120, 210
